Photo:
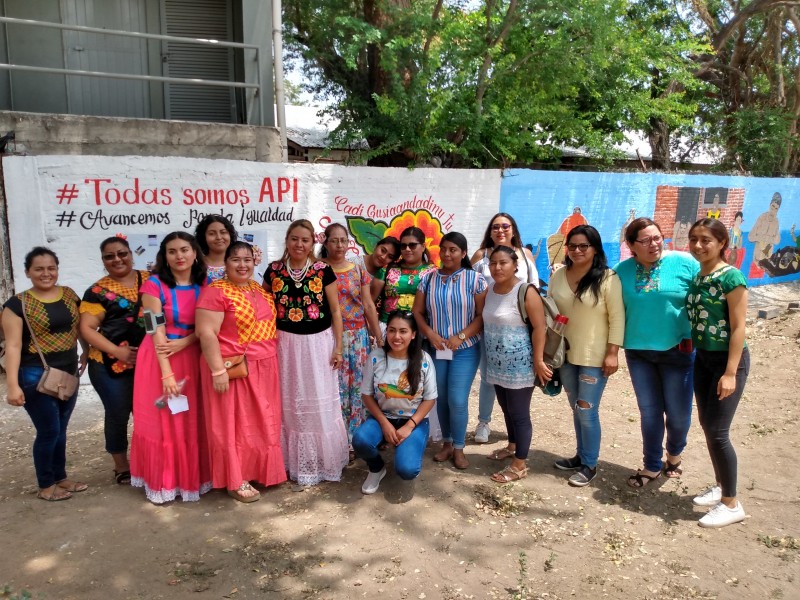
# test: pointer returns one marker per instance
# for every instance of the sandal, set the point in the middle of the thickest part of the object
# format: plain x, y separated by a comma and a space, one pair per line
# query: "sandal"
639, 480
245, 487
509, 474
122, 477
55, 495
673, 470
501, 454
72, 486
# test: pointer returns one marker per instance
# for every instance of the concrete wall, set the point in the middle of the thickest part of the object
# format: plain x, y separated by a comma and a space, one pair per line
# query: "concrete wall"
111, 136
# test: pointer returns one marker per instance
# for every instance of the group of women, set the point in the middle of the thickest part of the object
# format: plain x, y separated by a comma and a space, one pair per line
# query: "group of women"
288, 385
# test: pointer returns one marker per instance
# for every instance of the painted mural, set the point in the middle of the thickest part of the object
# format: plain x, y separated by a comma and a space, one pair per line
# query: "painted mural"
760, 214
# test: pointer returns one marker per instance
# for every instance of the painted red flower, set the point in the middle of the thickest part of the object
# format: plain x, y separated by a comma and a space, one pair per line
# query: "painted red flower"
426, 222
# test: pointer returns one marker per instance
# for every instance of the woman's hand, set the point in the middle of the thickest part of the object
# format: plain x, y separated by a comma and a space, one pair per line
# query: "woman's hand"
438, 341
15, 396
336, 358
453, 342
390, 433
543, 372
726, 386
170, 385
171, 347
83, 361
610, 365
404, 432
221, 383
126, 354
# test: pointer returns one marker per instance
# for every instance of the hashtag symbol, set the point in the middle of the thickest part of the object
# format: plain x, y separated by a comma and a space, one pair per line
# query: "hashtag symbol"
65, 217
69, 192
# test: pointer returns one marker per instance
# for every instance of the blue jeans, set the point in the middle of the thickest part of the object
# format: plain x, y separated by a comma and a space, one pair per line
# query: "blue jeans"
50, 418
487, 392
116, 394
587, 384
662, 381
453, 381
407, 456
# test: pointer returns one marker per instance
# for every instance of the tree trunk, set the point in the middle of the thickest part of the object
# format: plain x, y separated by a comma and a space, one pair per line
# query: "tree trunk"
659, 144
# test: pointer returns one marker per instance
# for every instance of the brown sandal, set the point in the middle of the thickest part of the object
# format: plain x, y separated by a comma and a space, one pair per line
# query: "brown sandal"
55, 495
245, 487
501, 454
72, 486
509, 474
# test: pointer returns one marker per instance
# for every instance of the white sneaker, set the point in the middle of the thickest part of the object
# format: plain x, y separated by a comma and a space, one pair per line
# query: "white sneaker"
482, 432
721, 515
710, 497
373, 482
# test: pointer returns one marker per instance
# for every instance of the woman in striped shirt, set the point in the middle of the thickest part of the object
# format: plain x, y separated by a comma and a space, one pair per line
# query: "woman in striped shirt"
448, 310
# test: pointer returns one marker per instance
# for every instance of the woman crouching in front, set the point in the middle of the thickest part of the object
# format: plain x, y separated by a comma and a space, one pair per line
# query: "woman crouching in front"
399, 390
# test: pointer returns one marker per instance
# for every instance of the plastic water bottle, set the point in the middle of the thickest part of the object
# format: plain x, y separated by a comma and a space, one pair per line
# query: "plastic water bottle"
560, 323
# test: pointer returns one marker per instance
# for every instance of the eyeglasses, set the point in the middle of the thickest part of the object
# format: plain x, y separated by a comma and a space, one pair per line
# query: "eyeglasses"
338, 241
122, 255
653, 239
410, 246
499, 226
581, 247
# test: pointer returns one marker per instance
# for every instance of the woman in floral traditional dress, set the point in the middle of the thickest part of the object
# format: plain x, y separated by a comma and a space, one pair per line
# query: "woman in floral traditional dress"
309, 322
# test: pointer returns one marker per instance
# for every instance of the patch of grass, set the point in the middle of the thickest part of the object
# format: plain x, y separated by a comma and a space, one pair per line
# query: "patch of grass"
522, 591
505, 501
677, 568
786, 542
617, 545
448, 537
550, 561
675, 591
761, 430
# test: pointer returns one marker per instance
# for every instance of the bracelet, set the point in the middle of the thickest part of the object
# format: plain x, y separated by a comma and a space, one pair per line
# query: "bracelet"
220, 372
167, 376
413, 421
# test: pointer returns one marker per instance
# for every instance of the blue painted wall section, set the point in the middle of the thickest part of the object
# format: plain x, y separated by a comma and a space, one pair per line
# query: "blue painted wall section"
760, 214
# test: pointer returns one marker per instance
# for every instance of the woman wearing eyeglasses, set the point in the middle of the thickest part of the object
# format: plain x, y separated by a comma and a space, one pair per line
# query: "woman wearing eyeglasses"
359, 321
658, 346
588, 293
110, 324
501, 231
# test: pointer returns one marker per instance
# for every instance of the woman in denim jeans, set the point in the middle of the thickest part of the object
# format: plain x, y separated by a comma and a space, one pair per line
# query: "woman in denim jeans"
588, 293
657, 346
448, 309
52, 311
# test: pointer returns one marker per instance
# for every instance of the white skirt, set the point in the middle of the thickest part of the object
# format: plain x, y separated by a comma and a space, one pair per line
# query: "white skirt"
313, 435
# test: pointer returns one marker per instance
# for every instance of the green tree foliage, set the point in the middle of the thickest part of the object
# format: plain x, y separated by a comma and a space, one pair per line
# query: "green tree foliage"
492, 83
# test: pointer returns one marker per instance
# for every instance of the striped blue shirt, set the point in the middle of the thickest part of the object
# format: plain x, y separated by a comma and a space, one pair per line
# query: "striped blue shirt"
450, 301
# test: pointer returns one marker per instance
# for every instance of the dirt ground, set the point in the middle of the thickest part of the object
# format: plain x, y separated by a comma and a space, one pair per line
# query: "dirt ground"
450, 534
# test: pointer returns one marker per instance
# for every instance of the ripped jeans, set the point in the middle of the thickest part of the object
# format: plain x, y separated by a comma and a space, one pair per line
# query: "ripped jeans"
585, 384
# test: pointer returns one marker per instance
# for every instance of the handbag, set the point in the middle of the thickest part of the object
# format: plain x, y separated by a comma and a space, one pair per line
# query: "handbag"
236, 365
53, 382
555, 344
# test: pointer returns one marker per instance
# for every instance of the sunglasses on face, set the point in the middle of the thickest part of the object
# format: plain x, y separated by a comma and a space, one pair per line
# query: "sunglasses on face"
580, 247
499, 226
122, 255
410, 246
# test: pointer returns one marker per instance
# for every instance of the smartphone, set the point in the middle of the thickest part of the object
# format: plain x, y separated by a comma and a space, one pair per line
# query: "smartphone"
153, 320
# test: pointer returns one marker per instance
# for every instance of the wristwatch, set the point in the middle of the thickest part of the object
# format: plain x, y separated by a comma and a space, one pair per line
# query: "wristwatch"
462, 336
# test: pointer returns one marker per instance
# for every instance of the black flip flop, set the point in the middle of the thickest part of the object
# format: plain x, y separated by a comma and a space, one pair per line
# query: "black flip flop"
122, 477
639, 480
673, 471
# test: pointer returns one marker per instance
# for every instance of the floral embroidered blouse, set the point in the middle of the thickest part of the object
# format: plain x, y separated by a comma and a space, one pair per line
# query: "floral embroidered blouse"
349, 283
400, 287
708, 307
302, 307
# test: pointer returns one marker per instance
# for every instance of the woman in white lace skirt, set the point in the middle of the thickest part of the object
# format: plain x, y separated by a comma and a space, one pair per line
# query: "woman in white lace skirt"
309, 322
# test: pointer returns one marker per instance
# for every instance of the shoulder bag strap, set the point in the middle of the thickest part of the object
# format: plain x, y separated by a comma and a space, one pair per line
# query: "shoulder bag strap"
33, 335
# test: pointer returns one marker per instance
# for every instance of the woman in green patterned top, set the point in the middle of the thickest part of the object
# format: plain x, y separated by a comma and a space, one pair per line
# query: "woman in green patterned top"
717, 306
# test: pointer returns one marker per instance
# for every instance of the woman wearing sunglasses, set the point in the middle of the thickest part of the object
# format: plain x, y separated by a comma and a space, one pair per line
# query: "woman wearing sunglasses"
501, 231
658, 350
110, 324
589, 294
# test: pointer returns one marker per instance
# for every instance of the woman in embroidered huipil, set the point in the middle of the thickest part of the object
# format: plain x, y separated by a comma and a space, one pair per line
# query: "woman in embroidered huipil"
214, 234
359, 321
52, 311
110, 323
657, 346
314, 438
236, 316
169, 452
717, 305
448, 310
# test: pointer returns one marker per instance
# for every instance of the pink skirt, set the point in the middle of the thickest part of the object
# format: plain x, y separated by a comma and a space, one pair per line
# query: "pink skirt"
314, 438
244, 427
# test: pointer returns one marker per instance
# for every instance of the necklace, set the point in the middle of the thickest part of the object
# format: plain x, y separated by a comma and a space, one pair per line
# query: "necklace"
298, 275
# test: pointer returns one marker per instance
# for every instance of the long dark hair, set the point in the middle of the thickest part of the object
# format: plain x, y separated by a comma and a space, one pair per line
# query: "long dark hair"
718, 230
414, 367
516, 239
599, 269
202, 227
418, 235
390, 241
161, 268
323, 251
459, 240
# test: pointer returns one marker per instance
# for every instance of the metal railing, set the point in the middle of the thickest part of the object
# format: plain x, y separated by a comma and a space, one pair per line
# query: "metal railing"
256, 87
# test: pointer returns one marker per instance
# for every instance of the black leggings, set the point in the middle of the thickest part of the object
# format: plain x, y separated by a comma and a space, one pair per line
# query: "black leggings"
716, 415
516, 405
